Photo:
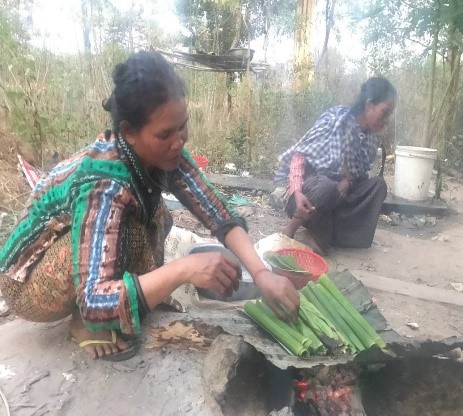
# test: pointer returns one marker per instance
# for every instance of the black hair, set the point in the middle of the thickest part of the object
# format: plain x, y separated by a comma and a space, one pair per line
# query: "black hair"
375, 90
107, 134
142, 83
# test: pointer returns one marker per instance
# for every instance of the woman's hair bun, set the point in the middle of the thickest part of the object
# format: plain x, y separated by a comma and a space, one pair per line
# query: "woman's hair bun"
108, 103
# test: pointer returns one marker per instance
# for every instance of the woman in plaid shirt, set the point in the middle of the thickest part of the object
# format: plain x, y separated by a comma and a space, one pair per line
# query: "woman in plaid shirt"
329, 190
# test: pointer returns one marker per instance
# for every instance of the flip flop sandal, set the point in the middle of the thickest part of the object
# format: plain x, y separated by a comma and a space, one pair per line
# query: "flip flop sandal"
131, 351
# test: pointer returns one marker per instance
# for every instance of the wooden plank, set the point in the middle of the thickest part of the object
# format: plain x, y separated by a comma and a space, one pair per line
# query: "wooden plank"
240, 182
386, 284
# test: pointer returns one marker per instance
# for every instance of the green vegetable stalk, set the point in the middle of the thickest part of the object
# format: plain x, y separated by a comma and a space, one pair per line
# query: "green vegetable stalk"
294, 341
364, 327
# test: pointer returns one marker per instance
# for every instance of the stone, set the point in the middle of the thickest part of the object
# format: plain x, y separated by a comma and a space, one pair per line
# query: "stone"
277, 199
232, 378
455, 354
286, 411
4, 310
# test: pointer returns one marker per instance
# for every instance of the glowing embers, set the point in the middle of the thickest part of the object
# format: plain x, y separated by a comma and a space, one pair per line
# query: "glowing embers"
327, 391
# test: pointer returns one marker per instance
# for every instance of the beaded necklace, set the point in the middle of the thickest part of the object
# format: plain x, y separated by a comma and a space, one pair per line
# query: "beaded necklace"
135, 163
148, 189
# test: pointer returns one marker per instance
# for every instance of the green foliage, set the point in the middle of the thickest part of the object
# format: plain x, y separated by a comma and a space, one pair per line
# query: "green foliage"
217, 26
238, 142
53, 102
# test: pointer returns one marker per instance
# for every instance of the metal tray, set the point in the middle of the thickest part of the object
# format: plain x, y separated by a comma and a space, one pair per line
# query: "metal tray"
246, 290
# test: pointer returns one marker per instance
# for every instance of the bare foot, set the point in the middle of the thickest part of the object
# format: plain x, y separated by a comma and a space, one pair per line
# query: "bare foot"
291, 227
313, 243
81, 333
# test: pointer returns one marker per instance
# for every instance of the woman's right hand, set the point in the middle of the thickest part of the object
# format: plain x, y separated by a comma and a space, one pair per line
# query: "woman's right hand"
212, 271
304, 209
279, 293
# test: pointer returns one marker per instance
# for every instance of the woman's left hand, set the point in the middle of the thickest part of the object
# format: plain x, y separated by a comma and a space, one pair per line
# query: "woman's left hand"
343, 187
279, 293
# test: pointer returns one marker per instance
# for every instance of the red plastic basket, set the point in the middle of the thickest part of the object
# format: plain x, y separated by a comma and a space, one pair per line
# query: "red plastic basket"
201, 161
307, 260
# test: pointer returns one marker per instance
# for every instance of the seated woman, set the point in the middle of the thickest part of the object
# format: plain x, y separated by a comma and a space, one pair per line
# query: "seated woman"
329, 190
91, 241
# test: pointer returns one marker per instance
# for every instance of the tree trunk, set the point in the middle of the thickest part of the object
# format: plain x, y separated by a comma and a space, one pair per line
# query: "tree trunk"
85, 27
438, 129
237, 20
329, 23
432, 82
303, 56
453, 98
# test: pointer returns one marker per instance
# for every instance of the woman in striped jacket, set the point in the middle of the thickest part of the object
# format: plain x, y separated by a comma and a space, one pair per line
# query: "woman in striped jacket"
91, 241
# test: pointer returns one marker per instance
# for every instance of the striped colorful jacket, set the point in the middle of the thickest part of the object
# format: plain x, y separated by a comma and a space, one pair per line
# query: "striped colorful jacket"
93, 195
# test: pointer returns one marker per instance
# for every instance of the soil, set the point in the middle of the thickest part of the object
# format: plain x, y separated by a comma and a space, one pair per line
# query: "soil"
41, 373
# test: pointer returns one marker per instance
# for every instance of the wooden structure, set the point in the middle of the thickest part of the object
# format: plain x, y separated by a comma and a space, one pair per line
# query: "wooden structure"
215, 63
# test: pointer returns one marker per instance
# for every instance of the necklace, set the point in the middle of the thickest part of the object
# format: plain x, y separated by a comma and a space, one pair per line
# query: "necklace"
135, 164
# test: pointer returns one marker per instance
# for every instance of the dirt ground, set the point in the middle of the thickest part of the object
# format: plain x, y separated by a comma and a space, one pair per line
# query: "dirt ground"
42, 373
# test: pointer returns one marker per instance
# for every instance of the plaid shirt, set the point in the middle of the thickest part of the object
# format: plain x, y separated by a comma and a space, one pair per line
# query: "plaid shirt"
335, 147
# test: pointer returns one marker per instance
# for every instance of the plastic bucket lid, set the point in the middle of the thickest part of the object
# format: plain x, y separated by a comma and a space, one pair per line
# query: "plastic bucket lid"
414, 151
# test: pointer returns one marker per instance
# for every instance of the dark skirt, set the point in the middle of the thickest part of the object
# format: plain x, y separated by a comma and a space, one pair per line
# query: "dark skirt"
349, 223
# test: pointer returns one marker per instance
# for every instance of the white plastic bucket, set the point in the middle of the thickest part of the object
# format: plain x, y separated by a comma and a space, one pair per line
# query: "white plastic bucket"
413, 171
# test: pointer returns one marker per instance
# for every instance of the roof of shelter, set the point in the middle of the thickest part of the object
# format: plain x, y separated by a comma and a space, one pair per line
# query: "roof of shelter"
214, 63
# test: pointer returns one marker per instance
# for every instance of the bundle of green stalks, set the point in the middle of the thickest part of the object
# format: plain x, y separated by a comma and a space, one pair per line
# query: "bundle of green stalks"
327, 323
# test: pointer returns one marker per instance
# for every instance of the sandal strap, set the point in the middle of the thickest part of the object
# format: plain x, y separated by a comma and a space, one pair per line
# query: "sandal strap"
99, 341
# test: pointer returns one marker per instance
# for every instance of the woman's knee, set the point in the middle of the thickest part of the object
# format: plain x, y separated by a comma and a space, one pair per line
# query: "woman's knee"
380, 186
322, 192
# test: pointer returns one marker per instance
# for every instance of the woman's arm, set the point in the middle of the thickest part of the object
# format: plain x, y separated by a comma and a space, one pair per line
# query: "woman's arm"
277, 290
193, 189
212, 271
198, 195
220, 274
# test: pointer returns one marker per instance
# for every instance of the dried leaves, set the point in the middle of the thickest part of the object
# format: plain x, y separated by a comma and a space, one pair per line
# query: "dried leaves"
189, 335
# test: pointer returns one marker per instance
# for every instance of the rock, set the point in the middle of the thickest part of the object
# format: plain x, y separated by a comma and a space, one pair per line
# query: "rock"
431, 221
454, 354
4, 310
441, 237
395, 218
277, 199
286, 411
245, 211
413, 325
457, 286
231, 378
418, 221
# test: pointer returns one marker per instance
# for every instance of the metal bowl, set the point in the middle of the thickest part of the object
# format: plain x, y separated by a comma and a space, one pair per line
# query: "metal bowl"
241, 53
246, 290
